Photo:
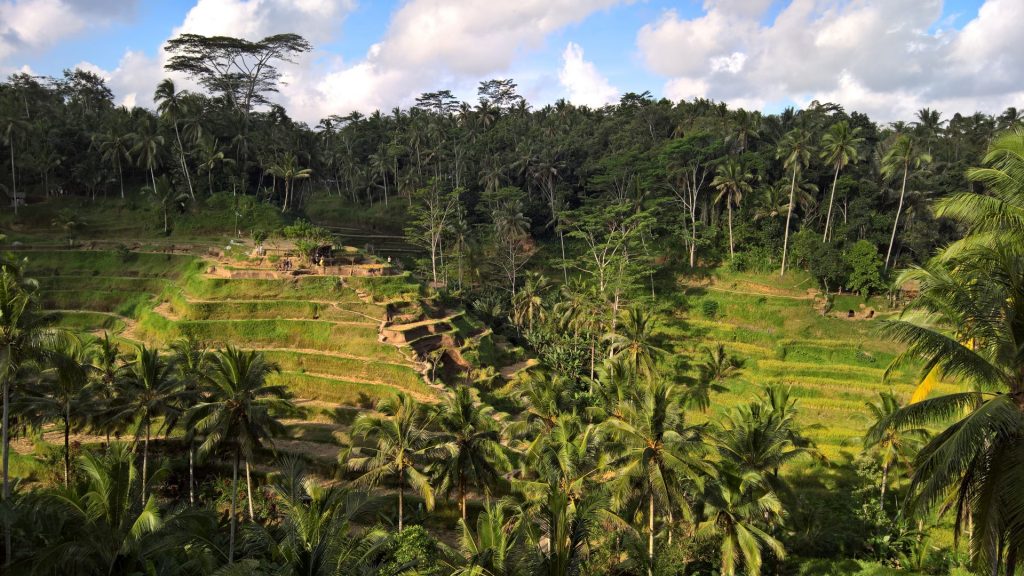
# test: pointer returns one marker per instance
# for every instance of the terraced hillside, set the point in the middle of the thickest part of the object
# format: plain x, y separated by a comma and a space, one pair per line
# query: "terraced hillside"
834, 364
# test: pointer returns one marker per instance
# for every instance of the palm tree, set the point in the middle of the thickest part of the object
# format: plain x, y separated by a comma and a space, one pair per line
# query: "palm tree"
635, 344
240, 413
148, 143
212, 156
998, 212
892, 446
718, 366
104, 529
172, 106
315, 536
65, 395
528, 303
468, 449
966, 325
22, 339
191, 361
11, 127
657, 453
151, 393
400, 436
795, 150
732, 182
734, 505
491, 550
164, 197
288, 170
108, 372
114, 147
839, 147
903, 155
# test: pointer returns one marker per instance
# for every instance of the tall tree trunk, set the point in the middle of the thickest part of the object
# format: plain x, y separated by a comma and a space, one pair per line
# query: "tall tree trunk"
184, 166
650, 533
67, 446
120, 176
401, 494
831, 199
14, 181
561, 240
234, 507
6, 456
145, 463
899, 208
732, 252
191, 473
248, 491
462, 499
789, 215
885, 483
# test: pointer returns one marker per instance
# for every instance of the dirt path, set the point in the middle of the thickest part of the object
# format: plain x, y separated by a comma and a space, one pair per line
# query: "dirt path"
714, 288
509, 372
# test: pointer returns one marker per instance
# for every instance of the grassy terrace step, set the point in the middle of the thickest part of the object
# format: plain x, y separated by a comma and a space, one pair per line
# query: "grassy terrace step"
198, 287
114, 283
340, 390
122, 303
108, 263
389, 373
306, 334
87, 320
268, 309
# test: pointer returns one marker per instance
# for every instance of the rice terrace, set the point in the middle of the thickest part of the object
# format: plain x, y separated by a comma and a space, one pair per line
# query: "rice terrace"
272, 306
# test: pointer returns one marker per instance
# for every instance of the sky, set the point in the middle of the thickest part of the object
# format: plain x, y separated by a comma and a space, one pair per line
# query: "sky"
886, 58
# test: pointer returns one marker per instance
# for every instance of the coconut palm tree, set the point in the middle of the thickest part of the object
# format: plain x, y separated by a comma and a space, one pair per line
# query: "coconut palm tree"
63, 393
152, 394
634, 343
399, 436
172, 106
892, 446
147, 146
212, 157
735, 506
902, 156
115, 148
191, 361
108, 370
105, 529
839, 148
467, 451
795, 151
315, 536
491, 550
732, 180
240, 413
657, 454
967, 326
528, 303
288, 170
998, 212
164, 196
11, 128
23, 339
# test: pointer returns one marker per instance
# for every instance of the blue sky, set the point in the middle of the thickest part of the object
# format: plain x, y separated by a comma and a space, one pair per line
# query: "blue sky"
885, 57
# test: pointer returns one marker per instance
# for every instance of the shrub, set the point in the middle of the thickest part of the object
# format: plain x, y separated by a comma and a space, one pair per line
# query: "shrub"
709, 308
865, 265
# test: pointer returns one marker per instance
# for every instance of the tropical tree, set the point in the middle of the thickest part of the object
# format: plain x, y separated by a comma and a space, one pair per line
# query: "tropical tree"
399, 436
902, 156
11, 128
115, 148
287, 169
172, 105
795, 152
528, 303
732, 180
165, 197
491, 550
63, 393
892, 446
657, 455
966, 326
634, 343
240, 413
152, 395
839, 148
212, 157
148, 142
735, 506
468, 449
105, 529
191, 361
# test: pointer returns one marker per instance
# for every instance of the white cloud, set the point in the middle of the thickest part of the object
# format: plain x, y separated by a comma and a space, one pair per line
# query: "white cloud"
581, 79
27, 25
885, 57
